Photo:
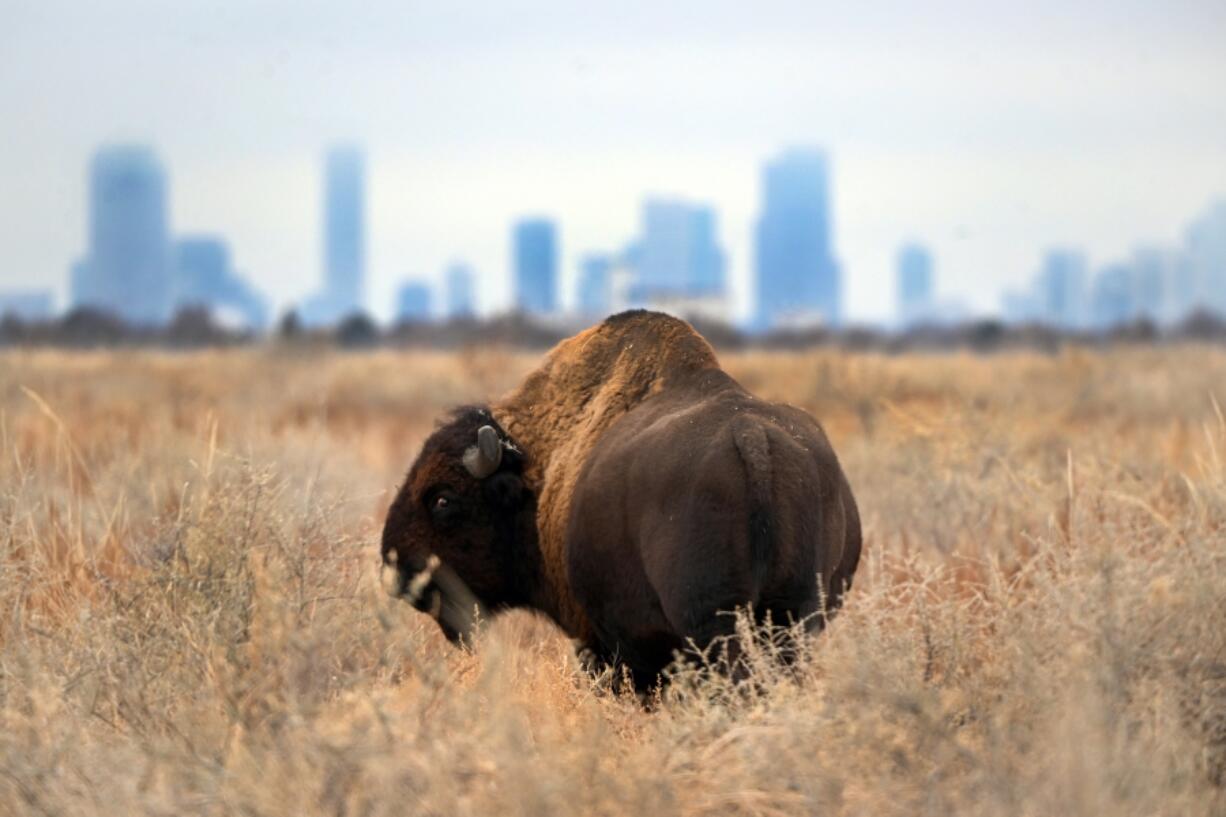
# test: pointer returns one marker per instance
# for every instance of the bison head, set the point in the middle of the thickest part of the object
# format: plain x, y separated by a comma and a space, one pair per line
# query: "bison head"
454, 531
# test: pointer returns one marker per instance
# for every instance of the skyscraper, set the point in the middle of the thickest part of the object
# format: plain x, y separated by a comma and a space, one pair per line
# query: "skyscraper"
677, 253
1061, 289
203, 276
1114, 296
459, 282
413, 302
1206, 247
915, 284
84, 289
345, 218
1156, 276
535, 256
797, 274
1180, 296
344, 238
595, 285
126, 270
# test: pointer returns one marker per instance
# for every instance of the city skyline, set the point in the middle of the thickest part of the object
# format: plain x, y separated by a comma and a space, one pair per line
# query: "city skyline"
134, 268
343, 234
989, 130
1160, 283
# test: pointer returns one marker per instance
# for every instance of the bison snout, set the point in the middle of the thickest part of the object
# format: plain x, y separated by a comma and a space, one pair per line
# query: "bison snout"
422, 592
418, 590
437, 591
429, 600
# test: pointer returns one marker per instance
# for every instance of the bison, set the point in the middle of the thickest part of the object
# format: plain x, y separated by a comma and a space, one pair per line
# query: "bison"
632, 491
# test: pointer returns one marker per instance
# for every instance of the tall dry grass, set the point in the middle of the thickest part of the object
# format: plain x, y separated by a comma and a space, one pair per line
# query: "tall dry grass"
190, 621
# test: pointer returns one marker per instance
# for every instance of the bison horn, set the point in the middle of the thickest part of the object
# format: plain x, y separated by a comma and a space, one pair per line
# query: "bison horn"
483, 459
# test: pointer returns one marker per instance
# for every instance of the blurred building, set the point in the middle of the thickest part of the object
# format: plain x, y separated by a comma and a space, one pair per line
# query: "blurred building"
414, 303
203, 276
1060, 289
623, 279
1206, 256
677, 250
1056, 296
595, 290
344, 239
126, 270
675, 265
1156, 277
27, 304
798, 279
460, 290
915, 284
1181, 297
1113, 300
345, 233
535, 262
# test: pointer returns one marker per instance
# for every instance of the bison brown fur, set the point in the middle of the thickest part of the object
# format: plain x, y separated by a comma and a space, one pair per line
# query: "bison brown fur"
633, 492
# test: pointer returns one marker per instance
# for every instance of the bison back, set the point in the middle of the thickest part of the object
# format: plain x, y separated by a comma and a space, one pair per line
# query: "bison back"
693, 505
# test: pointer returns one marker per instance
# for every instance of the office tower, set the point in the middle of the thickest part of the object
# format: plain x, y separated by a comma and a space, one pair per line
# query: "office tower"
1061, 289
797, 275
83, 287
677, 253
915, 284
1158, 275
344, 239
1206, 250
535, 257
413, 303
1180, 294
595, 285
125, 271
203, 276
345, 232
1113, 301
459, 284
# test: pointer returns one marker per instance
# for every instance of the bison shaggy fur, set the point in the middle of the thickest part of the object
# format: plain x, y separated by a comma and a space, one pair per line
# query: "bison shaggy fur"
632, 491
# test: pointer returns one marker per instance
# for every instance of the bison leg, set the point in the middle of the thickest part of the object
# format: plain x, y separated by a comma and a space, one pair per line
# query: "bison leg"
718, 643
624, 676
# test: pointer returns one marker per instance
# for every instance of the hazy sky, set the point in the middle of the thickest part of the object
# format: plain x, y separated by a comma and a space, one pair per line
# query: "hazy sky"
988, 130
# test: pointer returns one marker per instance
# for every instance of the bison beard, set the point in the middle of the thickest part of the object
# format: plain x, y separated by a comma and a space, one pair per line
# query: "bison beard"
633, 492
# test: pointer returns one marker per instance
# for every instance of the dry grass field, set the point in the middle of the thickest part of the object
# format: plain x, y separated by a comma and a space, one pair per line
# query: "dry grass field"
191, 620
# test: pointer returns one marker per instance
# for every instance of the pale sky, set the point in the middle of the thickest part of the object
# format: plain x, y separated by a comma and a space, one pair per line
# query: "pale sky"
987, 130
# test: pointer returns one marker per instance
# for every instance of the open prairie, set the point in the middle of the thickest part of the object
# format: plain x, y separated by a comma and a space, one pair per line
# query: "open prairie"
191, 620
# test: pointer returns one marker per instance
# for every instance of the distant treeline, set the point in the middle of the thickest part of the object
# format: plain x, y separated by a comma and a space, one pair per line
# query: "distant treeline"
85, 328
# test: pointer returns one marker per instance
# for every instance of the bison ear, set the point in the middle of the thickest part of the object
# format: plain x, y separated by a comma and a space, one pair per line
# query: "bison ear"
506, 490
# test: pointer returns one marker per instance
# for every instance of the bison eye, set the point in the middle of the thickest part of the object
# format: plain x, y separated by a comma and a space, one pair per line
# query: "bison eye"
444, 507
